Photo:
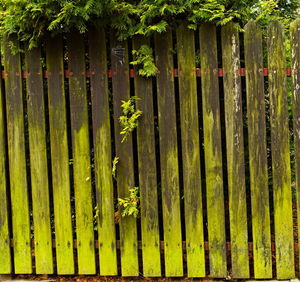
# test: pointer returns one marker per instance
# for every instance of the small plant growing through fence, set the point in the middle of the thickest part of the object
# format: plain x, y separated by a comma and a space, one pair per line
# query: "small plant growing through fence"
145, 61
96, 215
114, 167
130, 205
129, 119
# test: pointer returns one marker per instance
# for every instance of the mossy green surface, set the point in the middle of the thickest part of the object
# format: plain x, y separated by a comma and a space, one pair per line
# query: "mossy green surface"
260, 209
235, 151
282, 192
190, 153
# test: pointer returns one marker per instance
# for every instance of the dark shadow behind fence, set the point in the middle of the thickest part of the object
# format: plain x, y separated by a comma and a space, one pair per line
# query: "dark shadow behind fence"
59, 133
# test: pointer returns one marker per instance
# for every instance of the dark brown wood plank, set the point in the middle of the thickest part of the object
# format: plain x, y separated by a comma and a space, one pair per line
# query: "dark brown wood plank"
213, 151
59, 156
295, 39
147, 171
168, 155
257, 152
280, 144
38, 162
81, 154
124, 151
235, 151
17, 158
102, 153
5, 258
190, 152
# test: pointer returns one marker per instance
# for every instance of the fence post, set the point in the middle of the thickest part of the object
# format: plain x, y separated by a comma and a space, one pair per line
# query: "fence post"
147, 171
17, 158
168, 155
213, 151
257, 152
190, 152
235, 151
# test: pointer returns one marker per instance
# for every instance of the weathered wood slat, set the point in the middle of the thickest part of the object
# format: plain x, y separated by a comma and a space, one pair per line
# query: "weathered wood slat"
235, 151
5, 258
125, 171
257, 152
213, 151
81, 155
282, 190
38, 162
168, 155
147, 171
17, 159
59, 156
102, 153
190, 152
295, 39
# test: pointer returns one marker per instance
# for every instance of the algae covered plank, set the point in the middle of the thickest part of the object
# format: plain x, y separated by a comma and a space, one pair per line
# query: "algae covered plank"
38, 162
59, 156
282, 192
81, 154
190, 152
235, 151
257, 152
17, 159
168, 155
102, 153
295, 39
5, 258
147, 171
124, 151
213, 151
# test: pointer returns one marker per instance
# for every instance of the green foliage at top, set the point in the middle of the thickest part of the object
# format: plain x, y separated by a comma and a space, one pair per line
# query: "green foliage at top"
31, 19
144, 59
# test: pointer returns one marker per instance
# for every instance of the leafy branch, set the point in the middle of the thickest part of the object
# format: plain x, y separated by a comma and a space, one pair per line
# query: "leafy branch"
129, 119
145, 61
130, 205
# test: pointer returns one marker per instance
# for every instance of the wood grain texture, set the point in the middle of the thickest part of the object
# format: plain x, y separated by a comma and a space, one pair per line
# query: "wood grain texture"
59, 156
190, 152
147, 171
295, 39
17, 159
235, 151
102, 153
213, 151
282, 192
125, 170
38, 162
81, 154
257, 152
5, 258
168, 155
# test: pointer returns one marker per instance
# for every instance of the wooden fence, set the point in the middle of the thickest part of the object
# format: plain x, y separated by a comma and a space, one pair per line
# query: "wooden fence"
212, 155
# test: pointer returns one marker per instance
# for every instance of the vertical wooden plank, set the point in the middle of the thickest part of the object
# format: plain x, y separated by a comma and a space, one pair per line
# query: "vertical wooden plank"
17, 159
125, 172
102, 153
213, 151
59, 156
38, 162
168, 155
283, 218
81, 155
235, 151
147, 172
190, 152
257, 152
5, 258
295, 39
